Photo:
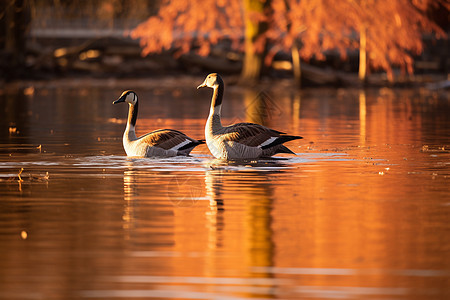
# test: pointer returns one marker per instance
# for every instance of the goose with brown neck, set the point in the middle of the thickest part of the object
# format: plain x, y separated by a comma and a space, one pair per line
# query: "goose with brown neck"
158, 143
241, 140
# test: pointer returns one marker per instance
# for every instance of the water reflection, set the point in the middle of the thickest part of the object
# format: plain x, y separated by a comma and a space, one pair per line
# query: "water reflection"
232, 215
261, 107
244, 199
362, 117
361, 212
148, 214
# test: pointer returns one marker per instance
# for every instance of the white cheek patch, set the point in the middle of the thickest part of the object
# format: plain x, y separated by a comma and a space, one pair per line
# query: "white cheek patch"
131, 98
176, 147
269, 141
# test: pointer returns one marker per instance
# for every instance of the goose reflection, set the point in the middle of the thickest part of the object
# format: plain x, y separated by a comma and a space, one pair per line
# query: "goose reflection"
129, 192
242, 197
147, 205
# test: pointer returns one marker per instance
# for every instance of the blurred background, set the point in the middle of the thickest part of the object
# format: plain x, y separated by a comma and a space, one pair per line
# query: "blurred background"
313, 42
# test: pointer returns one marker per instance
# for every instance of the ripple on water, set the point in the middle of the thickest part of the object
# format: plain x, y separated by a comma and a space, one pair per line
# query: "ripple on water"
192, 163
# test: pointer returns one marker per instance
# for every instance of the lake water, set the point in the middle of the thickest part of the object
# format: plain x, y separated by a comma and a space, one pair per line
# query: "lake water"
362, 212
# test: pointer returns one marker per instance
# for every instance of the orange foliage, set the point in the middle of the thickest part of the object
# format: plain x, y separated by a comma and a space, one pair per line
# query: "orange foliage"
181, 22
394, 28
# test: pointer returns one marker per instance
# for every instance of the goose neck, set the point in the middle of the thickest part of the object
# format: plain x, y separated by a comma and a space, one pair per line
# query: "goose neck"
214, 120
130, 133
216, 102
132, 115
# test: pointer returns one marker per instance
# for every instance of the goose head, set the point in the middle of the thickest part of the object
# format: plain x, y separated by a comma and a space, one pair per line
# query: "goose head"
213, 80
129, 97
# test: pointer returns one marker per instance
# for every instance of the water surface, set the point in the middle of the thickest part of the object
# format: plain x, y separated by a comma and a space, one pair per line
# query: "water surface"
362, 212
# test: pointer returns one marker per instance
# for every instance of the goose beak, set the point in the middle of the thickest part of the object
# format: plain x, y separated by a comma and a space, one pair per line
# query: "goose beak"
121, 99
202, 85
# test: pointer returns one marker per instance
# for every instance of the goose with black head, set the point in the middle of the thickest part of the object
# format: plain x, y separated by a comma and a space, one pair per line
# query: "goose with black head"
241, 140
158, 143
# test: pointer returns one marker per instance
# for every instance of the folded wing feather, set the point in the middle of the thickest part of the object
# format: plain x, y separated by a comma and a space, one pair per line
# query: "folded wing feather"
249, 134
166, 139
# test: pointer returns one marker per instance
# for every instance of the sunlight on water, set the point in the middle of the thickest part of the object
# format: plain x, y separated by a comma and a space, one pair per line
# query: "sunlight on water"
361, 212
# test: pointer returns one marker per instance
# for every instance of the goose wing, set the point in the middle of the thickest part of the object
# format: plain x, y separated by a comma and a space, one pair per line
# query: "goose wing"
250, 134
168, 139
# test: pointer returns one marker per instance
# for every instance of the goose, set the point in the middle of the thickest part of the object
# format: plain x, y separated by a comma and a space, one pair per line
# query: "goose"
158, 143
241, 140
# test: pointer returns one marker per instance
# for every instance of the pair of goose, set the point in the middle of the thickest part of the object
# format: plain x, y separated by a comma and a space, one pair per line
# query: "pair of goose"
237, 141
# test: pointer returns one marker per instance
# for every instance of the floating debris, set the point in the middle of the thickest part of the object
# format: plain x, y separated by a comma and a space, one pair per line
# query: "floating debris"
20, 148
28, 177
436, 148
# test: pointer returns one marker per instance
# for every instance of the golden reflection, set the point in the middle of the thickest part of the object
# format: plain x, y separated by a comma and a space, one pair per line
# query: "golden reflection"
129, 191
296, 105
328, 226
362, 117
215, 217
243, 201
325, 217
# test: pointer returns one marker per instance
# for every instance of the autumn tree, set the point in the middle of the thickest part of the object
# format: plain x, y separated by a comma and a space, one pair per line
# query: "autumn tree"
386, 33
390, 33
307, 29
257, 15
179, 23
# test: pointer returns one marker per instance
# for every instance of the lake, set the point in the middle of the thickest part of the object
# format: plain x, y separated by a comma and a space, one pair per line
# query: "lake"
361, 212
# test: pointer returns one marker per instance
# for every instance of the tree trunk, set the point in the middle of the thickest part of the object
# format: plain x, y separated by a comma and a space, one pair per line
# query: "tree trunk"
363, 55
14, 26
252, 67
255, 41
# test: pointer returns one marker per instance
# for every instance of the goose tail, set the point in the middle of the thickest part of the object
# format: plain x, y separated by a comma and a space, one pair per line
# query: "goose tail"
281, 140
186, 149
284, 149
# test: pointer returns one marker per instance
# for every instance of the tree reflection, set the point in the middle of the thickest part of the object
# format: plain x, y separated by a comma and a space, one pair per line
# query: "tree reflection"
362, 117
241, 199
260, 107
